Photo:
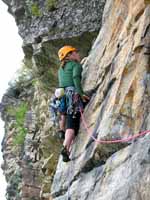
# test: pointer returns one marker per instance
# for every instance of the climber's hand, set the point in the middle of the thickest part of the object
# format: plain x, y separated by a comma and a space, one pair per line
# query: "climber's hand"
85, 98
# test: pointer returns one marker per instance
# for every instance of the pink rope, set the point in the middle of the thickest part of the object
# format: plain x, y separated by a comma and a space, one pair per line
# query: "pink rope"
111, 141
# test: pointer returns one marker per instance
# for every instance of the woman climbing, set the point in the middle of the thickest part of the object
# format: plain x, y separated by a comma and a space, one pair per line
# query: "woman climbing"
69, 76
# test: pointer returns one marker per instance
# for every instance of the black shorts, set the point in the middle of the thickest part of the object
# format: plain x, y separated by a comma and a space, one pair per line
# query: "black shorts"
73, 122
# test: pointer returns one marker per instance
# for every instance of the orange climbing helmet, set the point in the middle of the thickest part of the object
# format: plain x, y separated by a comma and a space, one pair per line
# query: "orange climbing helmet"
62, 53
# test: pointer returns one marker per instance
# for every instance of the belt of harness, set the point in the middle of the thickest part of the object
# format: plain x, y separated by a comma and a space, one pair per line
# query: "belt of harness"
73, 101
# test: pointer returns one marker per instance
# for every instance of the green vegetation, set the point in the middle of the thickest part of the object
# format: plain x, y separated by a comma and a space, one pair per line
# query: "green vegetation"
11, 111
20, 119
35, 11
34, 81
51, 5
19, 115
20, 137
32, 9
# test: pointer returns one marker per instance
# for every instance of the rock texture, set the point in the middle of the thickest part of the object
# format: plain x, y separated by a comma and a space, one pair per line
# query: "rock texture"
119, 61
55, 19
52, 23
117, 76
30, 146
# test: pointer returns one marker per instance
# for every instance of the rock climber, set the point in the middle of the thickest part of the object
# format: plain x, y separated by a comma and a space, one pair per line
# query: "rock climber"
69, 76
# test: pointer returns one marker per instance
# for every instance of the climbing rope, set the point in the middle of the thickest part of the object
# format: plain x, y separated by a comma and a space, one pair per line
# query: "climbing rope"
111, 141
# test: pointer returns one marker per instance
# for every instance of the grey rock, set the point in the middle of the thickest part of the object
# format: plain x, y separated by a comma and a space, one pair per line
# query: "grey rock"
123, 173
116, 75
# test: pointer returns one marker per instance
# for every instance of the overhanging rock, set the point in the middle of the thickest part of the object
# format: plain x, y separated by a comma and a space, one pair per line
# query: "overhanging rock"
57, 23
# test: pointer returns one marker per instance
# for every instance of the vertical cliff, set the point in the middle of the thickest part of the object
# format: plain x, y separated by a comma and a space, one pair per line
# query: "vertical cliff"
116, 74
117, 71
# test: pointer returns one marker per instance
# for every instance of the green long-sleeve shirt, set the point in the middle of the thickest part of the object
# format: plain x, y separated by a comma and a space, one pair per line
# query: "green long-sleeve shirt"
70, 75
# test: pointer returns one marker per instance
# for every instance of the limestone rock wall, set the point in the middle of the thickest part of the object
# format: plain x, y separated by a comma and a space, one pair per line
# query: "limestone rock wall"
52, 23
30, 145
116, 75
45, 26
54, 18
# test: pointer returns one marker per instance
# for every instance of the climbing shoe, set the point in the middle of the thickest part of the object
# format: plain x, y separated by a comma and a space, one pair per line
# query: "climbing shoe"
61, 134
65, 154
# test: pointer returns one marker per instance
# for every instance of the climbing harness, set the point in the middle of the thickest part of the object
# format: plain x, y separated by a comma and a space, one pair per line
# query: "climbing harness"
73, 101
111, 141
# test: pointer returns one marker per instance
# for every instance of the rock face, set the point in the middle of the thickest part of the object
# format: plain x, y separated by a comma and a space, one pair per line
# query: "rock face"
119, 107
56, 22
117, 76
55, 19
46, 26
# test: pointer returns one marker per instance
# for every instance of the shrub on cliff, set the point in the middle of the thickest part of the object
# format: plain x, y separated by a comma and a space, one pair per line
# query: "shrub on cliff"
19, 114
51, 5
20, 120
